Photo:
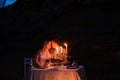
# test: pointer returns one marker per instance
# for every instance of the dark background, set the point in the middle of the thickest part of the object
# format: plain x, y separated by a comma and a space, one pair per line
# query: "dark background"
91, 28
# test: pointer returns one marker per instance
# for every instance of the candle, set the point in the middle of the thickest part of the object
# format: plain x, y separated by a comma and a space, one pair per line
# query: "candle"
61, 50
66, 47
56, 52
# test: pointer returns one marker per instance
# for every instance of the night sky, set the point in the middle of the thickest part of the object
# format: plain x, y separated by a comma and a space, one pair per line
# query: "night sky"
90, 27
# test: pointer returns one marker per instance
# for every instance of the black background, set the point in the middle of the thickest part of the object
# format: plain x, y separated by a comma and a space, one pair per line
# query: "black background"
90, 27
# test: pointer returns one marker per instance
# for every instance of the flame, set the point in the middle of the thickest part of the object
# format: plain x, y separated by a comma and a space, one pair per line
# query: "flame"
56, 50
61, 50
65, 45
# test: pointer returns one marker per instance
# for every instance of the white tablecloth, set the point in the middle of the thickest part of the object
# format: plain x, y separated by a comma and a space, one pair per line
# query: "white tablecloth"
56, 74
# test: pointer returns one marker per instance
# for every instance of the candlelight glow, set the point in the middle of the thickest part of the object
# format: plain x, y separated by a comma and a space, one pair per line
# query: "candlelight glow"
56, 50
61, 50
65, 45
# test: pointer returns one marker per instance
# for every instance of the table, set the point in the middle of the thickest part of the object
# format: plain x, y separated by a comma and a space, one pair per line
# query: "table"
55, 74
